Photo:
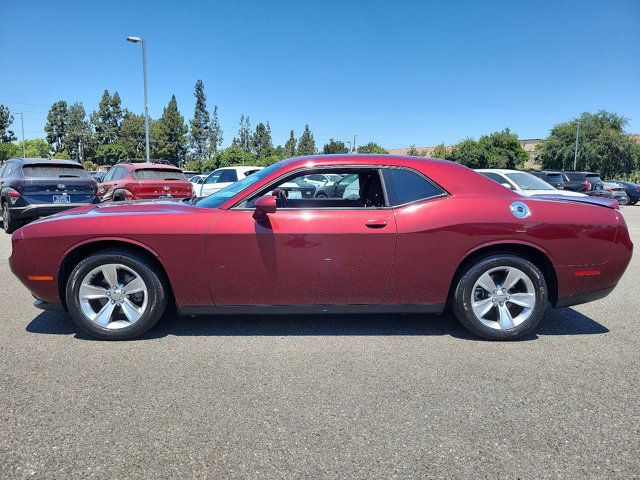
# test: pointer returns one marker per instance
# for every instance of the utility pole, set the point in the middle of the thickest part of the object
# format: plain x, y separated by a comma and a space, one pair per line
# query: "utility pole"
144, 75
575, 153
24, 144
355, 147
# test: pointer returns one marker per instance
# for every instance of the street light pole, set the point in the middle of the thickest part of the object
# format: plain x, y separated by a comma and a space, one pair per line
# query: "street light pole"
146, 103
575, 152
24, 145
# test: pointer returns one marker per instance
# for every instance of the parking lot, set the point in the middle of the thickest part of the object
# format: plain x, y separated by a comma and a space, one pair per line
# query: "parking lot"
358, 396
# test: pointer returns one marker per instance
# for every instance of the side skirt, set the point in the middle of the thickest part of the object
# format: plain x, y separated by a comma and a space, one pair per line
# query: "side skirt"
307, 309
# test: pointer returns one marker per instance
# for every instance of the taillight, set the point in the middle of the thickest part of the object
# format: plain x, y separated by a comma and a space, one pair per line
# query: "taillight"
14, 195
587, 185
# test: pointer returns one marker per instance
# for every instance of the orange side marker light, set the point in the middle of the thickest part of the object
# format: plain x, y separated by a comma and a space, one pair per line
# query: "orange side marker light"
40, 278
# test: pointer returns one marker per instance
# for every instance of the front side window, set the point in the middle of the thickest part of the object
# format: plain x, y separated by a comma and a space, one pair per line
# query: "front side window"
406, 186
356, 188
228, 176
119, 173
213, 178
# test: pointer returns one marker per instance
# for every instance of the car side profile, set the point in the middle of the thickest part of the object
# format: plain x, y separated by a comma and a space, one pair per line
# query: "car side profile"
36, 187
142, 180
417, 235
631, 189
524, 183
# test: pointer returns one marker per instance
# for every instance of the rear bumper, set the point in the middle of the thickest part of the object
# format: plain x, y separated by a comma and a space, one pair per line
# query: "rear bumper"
583, 297
42, 210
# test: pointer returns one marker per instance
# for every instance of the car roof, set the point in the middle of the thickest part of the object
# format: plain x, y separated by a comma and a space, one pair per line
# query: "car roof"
141, 165
499, 170
40, 161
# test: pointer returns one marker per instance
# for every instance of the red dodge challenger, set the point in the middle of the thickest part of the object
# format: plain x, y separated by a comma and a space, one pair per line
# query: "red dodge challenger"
402, 234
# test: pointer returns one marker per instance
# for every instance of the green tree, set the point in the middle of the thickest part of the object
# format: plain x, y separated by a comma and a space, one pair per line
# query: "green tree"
414, 152
215, 133
469, 152
77, 139
334, 146
243, 141
290, 147
6, 119
56, 126
106, 123
372, 147
36, 148
306, 144
171, 131
504, 150
261, 142
200, 125
233, 155
9, 150
132, 135
604, 146
194, 166
440, 151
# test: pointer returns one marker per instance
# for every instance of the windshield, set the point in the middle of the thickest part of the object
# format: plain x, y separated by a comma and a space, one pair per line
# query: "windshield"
54, 171
218, 198
554, 177
158, 174
526, 181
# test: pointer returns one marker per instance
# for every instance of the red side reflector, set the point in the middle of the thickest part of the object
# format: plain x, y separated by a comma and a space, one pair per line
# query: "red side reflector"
587, 273
40, 278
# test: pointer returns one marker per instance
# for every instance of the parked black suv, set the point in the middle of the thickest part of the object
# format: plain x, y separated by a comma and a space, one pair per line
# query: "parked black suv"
585, 182
555, 179
36, 187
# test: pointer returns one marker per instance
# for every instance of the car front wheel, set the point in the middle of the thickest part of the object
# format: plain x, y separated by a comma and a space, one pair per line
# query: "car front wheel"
501, 297
116, 295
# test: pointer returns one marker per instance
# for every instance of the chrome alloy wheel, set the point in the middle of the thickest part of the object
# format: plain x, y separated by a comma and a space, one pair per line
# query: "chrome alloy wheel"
113, 296
503, 298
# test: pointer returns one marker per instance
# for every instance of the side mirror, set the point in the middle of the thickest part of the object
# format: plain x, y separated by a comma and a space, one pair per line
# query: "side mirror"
507, 185
264, 205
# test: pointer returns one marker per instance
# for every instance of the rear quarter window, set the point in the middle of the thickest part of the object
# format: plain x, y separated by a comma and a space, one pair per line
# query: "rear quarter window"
574, 177
158, 174
405, 186
54, 171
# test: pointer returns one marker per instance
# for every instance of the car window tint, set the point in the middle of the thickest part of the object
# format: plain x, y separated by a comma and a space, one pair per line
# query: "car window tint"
228, 176
214, 177
574, 177
494, 176
354, 190
158, 174
54, 171
554, 177
405, 186
526, 181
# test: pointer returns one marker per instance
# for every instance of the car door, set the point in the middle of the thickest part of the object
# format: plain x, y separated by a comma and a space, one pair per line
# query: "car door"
312, 254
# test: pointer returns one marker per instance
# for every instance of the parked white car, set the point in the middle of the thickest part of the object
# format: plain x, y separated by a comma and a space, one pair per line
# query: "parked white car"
197, 181
524, 183
223, 177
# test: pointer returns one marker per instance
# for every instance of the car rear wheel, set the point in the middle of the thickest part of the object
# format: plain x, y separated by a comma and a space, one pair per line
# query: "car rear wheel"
9, 224
501, 297
115, 295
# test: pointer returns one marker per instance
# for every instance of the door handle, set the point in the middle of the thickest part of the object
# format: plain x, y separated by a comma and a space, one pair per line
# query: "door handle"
376, 223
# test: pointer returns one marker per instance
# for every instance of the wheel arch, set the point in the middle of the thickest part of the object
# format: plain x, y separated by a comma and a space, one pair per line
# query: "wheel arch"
83, 250
532, 253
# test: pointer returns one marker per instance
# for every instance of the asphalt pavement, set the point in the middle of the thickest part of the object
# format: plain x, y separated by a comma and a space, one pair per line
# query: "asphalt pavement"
337, 396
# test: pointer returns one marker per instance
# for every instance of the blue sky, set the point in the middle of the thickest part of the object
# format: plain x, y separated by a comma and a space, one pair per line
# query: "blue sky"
399, 73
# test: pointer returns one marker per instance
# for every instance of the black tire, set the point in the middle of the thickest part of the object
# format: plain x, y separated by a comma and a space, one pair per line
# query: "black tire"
9, 224
153, 279
464, 295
